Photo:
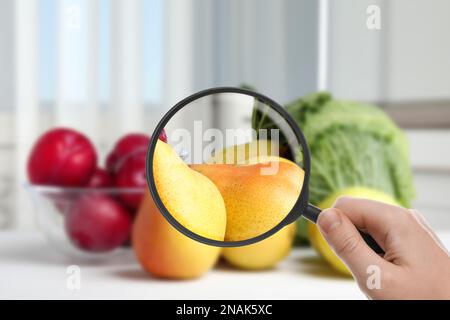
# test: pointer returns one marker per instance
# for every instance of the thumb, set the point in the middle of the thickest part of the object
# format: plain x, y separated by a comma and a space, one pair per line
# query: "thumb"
347, 243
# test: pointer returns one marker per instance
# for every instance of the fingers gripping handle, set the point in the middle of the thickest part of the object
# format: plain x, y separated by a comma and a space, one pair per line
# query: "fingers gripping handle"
312, 214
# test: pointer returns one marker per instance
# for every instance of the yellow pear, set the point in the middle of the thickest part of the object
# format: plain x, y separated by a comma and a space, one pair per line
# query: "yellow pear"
196, 203
264, 254
191, 198
257, 196
318, 241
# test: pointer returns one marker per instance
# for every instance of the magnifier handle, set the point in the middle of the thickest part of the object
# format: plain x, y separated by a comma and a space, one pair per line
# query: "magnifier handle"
312, 213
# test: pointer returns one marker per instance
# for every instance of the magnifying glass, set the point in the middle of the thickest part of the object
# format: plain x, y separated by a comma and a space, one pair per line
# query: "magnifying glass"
220, 181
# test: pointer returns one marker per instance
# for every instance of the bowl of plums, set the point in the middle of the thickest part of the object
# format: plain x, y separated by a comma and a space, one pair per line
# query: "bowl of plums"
85, 208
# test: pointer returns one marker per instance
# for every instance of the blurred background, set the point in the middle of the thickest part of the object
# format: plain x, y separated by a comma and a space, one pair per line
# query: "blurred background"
107, 67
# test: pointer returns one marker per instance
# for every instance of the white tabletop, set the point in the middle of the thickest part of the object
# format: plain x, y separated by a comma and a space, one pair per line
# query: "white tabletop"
30, 268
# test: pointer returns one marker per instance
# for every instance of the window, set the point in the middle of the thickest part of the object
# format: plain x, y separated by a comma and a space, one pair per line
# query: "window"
63, 47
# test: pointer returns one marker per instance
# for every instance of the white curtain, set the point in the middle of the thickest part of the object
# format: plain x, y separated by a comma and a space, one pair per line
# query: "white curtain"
268, 44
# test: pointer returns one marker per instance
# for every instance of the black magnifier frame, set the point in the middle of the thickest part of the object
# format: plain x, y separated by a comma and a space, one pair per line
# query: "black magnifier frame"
301, 206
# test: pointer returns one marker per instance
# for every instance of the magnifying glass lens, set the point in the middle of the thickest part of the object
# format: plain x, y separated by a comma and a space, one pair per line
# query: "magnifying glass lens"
220, 178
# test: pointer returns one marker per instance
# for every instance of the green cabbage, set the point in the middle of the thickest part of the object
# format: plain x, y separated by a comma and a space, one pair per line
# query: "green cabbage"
352, 145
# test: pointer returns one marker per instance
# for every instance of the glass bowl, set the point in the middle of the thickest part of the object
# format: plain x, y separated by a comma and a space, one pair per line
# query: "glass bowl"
52, 204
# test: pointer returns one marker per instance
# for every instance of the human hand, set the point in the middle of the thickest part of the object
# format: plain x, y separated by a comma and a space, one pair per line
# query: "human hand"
415, 264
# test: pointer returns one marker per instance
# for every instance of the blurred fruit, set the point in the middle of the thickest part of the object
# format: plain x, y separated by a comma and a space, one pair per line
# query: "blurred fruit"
125, 146
255, 201
63, 201
316, 238
269, 158
163, 136
302, 238
100, 179
62, 157
131, 174
97, 222
110, 163
130, 143
239, 154
264, 254
165, 252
